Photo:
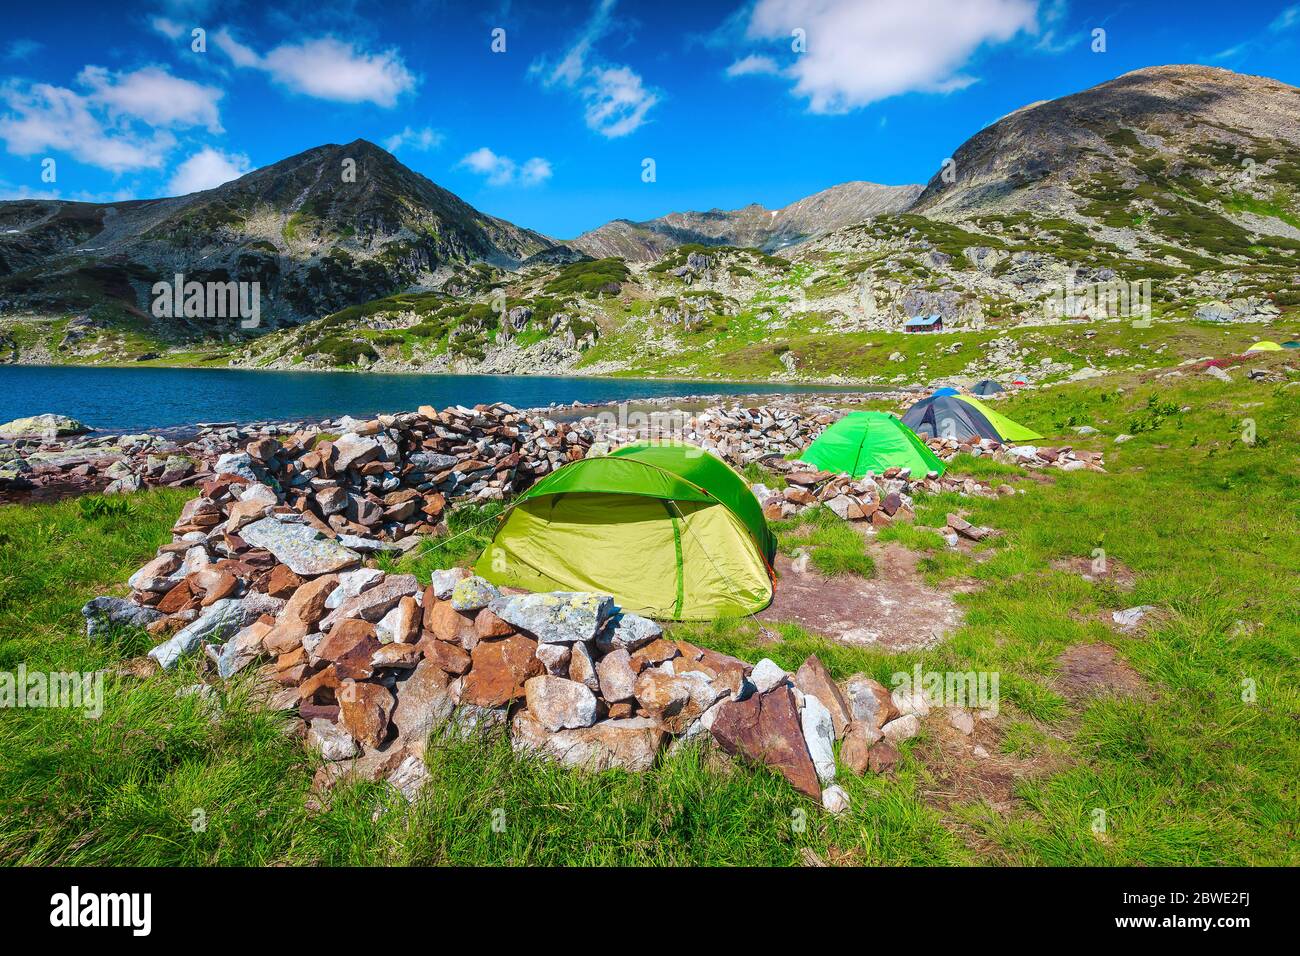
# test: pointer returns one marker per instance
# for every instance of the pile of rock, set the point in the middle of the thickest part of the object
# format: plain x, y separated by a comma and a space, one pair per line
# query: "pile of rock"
113, 464
1065, 458
736, 434
379, 667
878, 499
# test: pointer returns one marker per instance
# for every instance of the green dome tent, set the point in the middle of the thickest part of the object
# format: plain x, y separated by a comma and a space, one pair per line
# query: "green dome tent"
1264, 347
667, 529
870, 441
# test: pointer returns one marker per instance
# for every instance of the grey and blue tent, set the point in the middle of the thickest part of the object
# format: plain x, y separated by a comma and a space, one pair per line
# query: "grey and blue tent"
962, 417
986, 386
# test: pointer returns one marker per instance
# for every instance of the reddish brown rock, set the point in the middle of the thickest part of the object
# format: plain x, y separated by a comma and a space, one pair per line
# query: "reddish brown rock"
765, 728
660, 693
217, 585
452, 658
448, 624
656, 652
487, 625
365, 711
321, 686
176, 598
856, 750
499, 669
285, 635
813, 678
884, 757
350, 645
282, 582
308, 602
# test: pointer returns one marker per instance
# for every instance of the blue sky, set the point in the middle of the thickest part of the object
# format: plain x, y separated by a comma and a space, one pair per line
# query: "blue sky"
553, 132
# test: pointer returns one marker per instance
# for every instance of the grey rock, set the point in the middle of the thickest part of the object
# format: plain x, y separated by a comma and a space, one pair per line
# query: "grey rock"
304, 549
628, 631
556, 617
766, 675
819, 735
221, 620
473, 594
104, 613
331, 740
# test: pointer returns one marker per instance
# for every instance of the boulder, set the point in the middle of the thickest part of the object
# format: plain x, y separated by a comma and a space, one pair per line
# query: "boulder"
499, 669
305, 550
630, 743
219, 622
814, 679
556, 616
819, 735
331, 741
766, 675
765, 728
424, 703
473, 594
103, 614
870, 702
46, 426
616, 677
365, 711
560, 704
902, 728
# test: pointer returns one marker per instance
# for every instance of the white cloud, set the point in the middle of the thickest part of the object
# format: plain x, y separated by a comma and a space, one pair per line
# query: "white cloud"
617, 99
1285, 20
207, 169
862, 51
753, 65
43, 118
167, 27
326, 68
503, 171
155, 96
423, 139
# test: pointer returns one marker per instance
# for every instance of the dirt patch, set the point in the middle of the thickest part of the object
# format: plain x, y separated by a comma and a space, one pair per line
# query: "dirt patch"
1089, 670
895, 610
1115, 572
964, 770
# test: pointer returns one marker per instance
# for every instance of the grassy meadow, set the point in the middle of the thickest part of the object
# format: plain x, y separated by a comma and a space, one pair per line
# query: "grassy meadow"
1194, 763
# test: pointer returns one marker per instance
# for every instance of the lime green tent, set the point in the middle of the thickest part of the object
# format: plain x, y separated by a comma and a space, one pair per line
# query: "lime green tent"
870, 441
667, 529
1009, 430
1264, 347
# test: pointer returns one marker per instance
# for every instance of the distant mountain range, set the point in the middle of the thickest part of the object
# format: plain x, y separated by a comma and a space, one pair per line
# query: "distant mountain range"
752, 225
1172, 172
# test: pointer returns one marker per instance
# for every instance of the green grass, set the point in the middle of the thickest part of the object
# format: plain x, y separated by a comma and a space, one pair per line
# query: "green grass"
1187, 772
832, 544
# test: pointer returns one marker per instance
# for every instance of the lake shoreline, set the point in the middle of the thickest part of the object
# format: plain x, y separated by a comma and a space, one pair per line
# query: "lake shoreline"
176, 401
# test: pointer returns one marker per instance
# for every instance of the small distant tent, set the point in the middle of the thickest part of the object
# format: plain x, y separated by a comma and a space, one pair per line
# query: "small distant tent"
945, 391
987, 386
1264, 347
1291, 345
964, 417
666, 528
870, 441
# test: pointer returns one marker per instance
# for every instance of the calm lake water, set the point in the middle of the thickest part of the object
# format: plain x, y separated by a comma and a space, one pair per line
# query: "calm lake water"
133, 399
